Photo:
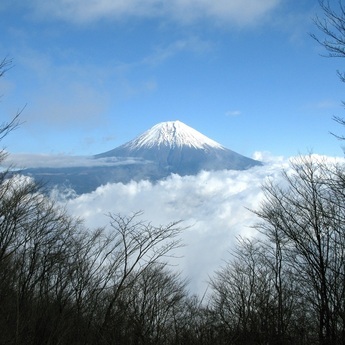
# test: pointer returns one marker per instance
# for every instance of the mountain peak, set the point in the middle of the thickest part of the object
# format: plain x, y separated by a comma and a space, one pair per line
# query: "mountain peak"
167, 148
173, 147
172, 134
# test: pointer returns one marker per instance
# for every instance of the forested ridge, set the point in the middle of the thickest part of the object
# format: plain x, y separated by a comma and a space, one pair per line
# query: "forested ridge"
62, 283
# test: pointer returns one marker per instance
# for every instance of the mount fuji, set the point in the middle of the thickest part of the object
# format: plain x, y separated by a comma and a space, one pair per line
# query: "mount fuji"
178, 148
167, 148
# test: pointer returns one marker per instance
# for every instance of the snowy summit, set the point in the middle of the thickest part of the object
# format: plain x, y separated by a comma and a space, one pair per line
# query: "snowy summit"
173, 134
174, 147
167, 148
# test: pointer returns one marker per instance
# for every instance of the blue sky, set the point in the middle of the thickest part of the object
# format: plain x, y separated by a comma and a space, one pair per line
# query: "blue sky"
95, 74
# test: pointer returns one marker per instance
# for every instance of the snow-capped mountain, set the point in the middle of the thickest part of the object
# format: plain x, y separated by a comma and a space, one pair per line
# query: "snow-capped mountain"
178, 148
168, 147
172, 134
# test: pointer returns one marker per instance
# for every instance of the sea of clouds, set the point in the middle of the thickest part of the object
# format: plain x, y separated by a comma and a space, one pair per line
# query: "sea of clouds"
214, 208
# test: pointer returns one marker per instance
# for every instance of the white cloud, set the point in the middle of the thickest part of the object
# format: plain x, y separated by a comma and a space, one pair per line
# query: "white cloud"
66, 94
71, 104
237, 12
233, 113
190, 44
78, 93
265, 156
213, 204
28, 160
324, 104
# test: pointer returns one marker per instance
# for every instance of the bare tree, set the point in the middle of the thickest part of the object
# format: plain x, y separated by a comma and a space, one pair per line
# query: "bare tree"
153, 305
6, 127
244, 295
332, 26
288, 286
307, 213
136, 245
66, 282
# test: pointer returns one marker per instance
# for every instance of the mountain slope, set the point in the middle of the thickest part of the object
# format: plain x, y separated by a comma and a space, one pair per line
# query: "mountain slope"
168, 147
178, 148
170, 134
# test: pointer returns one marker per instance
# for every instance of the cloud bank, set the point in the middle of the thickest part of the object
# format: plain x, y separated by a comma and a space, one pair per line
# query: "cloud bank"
28, 160
212, 205
84, 11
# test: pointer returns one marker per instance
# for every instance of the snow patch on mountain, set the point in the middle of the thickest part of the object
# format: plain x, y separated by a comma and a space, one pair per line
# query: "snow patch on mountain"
172, 134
